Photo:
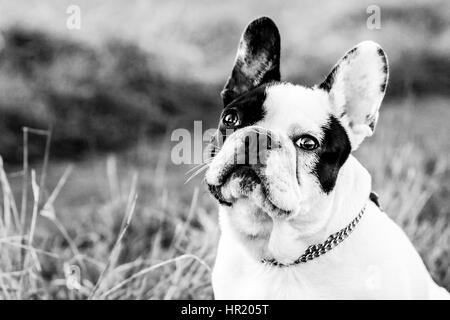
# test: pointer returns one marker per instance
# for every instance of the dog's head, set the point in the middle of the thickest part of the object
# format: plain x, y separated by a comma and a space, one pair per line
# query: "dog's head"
279, 146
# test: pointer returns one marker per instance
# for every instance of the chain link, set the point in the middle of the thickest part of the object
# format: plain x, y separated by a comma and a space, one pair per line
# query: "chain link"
317, 250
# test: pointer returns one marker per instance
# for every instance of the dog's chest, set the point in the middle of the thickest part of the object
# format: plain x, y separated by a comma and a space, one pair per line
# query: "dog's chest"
237, 278
365, 266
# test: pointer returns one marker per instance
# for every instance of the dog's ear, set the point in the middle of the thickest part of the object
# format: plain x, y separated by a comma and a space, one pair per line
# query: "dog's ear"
257, 60
356, 86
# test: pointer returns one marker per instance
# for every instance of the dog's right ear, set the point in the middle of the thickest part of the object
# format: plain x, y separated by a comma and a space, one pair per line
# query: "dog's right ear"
257, 60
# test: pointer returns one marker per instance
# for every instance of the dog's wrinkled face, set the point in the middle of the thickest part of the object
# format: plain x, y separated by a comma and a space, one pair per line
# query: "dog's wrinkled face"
279, 146
284, 153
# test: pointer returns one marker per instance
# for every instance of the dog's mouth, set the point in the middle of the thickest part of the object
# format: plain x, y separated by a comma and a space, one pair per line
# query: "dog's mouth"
242, 181
245, 177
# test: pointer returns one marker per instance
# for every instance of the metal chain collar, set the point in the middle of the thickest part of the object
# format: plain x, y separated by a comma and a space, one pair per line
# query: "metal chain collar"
317, 250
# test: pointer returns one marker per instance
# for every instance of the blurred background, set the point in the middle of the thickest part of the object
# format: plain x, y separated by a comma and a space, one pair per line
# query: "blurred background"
110, 94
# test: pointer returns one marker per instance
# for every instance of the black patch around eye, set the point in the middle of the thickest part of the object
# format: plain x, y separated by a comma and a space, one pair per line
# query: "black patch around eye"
332, 155
249, 107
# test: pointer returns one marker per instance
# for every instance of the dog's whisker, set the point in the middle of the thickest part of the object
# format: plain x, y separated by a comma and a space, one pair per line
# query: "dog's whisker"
197, 173
205, 162
194, 175
194, 168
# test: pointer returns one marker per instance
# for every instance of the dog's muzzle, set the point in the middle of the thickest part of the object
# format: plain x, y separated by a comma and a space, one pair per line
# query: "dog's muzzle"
244, 176
239, 166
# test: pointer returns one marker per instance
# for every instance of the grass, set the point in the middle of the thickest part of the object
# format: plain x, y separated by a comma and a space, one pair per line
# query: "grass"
106, 259
126, 227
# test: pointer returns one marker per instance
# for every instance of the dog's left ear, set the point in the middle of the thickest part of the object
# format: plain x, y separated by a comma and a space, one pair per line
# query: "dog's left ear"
257, 60
356, 86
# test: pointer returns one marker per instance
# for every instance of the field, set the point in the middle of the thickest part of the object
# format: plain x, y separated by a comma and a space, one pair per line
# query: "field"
103, 213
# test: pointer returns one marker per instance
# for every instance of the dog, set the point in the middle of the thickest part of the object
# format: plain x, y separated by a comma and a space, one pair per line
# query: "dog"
300, 221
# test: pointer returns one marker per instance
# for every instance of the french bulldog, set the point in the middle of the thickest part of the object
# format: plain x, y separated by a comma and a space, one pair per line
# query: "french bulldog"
296, 214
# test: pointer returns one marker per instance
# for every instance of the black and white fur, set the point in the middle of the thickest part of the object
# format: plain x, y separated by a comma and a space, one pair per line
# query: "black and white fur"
292, 197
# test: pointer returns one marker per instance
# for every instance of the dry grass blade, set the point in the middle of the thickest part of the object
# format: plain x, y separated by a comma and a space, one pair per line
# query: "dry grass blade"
46, 157
9, 204
23, 208
29, 248
32, 231
5, 290
188, 218
129, 215
61, 182
152, 268
35, 188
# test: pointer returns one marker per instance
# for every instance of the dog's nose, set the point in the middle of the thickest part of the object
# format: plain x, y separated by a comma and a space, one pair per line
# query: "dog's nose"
255, 146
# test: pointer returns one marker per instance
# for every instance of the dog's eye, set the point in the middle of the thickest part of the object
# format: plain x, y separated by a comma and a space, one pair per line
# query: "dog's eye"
231, 119
307, 142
